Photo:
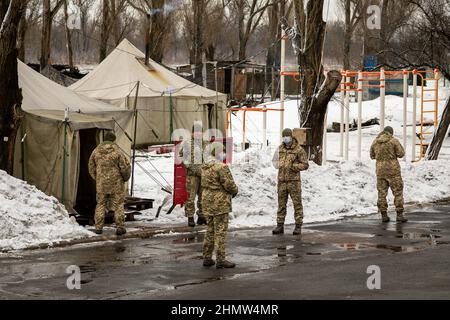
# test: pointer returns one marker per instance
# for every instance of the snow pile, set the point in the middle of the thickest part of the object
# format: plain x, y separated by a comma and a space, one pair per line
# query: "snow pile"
29, 217
336, 190
330, 192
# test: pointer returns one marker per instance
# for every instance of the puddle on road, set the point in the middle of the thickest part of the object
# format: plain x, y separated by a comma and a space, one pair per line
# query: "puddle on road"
176, 286
190, 239
87, 268
416, 236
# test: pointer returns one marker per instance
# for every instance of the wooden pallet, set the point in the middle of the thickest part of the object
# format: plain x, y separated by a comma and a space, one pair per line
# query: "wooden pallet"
138, 204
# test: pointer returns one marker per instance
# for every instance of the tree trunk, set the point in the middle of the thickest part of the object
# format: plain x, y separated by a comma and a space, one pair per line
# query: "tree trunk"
10, 94
316, 89
157, 32
440, 135
47, 21
68, 36
347, 35
104, 34
23, 26
198, 47
46, 33
383, 33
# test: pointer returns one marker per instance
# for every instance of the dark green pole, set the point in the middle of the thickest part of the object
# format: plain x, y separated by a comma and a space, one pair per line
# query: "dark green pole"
63, 186
134, 138
171, 115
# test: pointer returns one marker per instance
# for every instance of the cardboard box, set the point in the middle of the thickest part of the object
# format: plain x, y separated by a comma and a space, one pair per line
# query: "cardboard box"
301, 134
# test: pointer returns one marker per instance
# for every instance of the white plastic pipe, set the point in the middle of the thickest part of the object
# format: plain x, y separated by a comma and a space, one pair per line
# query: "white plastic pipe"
282, 79
324, 148
360, 96
414, 117
405, 110
264, 133
382, 98
347, 118
341, 135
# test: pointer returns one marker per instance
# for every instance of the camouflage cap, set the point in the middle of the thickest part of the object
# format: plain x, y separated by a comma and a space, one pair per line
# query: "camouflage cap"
287, 132
109, 136
389, 130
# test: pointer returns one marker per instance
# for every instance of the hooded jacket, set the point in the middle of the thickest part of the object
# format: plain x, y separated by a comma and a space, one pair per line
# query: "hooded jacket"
290, 160
386, 150
109, 167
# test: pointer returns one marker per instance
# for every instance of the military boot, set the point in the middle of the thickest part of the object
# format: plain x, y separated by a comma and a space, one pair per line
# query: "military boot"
191, 222
401, 218
201, 220
225, 264
98, 231
297, 230
385, 217
208, 262
121, 231
279, 229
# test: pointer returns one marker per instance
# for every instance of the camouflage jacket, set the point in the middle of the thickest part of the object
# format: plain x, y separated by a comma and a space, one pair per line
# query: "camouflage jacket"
109, 167
191, 154
218, 188
386, 150
290, 160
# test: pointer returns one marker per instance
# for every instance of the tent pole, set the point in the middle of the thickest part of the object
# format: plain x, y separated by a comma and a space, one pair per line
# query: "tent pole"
134, 138
217, 97
63, 185
171, 115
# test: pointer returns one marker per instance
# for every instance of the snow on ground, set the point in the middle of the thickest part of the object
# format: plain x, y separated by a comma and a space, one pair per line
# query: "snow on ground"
29, 217
333, 191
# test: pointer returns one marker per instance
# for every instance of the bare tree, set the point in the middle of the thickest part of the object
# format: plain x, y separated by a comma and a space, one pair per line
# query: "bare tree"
48, 13
354, 12
316, 89
247, 15
85, 7
115, 20
104, 33
68, 35
159, 13
10, 95
30, 17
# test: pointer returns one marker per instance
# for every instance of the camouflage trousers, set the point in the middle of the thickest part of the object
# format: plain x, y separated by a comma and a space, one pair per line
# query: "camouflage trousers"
111, 202
193, 187
215, 236
294, 190
396, 185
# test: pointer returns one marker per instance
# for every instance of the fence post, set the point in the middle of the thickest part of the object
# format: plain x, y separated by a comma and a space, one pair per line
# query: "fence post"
360, 96
414, 117
405, 109
382, 98
347, 116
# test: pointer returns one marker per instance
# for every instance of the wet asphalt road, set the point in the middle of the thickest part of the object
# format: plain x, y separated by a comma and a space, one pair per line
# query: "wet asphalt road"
329, 261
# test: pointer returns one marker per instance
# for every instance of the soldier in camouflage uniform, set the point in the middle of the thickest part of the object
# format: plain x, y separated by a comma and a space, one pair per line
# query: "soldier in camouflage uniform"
218, 190
386, 150
192, 155
109, 167
289, 159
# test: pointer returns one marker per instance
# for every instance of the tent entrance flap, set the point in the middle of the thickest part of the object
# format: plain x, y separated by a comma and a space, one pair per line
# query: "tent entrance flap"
86, 192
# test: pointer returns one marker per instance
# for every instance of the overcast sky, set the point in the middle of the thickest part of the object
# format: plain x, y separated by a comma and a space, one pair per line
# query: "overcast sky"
335, 13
